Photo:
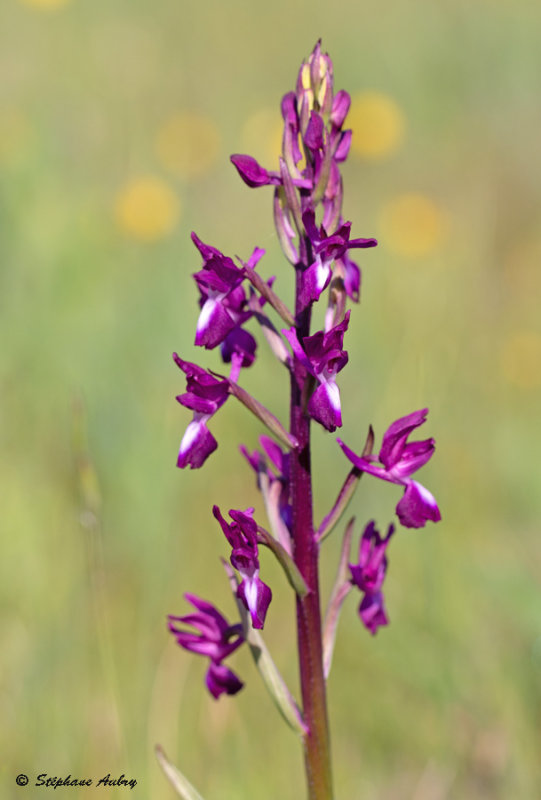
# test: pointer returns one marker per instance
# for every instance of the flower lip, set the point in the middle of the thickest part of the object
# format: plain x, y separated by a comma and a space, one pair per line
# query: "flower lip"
417, 506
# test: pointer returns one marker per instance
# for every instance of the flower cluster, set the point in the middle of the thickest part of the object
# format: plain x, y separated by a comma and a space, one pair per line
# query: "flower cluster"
317, 241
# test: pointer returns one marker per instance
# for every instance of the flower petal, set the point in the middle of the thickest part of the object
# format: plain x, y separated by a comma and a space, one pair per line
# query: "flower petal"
214, 324
252, 173
340, 108
395, 437
241, 342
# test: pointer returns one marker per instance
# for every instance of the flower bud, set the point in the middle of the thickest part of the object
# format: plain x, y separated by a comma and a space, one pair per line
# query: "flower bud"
315, 81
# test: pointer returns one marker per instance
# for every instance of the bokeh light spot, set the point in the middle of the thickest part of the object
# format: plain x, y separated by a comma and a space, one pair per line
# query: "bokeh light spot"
188, 144
520, 359
262, 136
378, 125
413, 225
147, 209
45, 4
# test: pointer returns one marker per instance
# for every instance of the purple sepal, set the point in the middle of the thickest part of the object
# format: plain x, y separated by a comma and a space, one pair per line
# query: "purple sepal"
352, 278
206, 250
400, 459
340, 108
342, 147
313, 138
252, 173
241, 342
288, 107
215, 638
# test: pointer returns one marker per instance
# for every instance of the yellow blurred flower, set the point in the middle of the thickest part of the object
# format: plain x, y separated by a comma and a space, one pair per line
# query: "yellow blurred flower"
520, 359
147, 209
262, 136
188, 143
378, 125
521, 267
413, 225
46, 4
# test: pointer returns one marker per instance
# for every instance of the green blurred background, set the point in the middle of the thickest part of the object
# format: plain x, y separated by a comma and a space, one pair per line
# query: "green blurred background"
116, 123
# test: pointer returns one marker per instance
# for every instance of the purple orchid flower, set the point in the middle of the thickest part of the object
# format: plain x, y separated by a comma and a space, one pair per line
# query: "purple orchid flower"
368, 575
222, 297
328, 249
242, 536
322, 355
216, 639
204, 396
400, 459
280, 461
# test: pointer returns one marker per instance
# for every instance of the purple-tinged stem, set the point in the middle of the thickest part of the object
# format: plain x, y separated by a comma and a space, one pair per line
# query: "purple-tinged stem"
305, 552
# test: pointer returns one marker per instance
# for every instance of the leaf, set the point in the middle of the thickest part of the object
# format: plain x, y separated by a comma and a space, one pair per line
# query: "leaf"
271, 497
340, 590
276, 686
274, 340
271, 297
181, 785
291, 197
291, 570
262, 413
346, 492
